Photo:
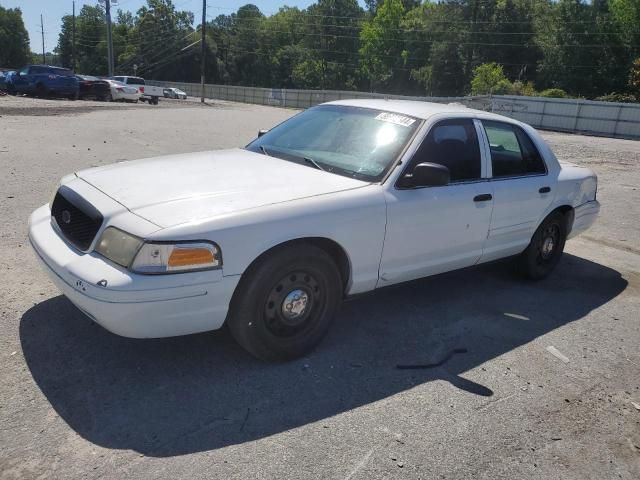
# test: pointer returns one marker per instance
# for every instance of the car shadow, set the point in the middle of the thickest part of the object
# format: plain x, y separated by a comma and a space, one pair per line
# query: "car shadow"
182, 395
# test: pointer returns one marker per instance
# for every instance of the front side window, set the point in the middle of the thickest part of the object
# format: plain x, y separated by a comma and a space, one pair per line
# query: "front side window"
356, 142
453, 144
512, 151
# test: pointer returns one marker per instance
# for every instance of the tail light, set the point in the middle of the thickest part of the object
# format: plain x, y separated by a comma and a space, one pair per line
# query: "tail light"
141, 89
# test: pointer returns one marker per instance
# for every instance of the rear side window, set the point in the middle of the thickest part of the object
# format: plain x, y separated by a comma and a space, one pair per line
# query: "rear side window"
513, 153
454, 144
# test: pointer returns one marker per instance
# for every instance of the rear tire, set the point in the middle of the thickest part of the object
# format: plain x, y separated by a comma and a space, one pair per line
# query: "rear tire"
285, 303
545, 249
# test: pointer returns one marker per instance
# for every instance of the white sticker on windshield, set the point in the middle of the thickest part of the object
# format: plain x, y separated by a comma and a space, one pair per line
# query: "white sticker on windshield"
396, 118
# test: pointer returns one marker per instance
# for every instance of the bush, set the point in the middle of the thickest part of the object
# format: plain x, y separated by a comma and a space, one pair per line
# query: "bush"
503, 87
618, 97
489, 78
524, 89
553, 93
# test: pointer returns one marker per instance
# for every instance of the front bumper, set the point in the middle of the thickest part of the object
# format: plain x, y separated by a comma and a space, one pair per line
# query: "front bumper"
584, 217
131, 305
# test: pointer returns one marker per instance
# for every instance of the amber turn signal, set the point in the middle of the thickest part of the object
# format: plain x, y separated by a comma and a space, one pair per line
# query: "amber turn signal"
182, 257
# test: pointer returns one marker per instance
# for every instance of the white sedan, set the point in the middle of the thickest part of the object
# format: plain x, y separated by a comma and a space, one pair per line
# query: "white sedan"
174, 93
120, 91
343, 198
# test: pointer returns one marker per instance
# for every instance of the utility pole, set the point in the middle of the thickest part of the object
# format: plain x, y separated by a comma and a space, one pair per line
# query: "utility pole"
73, 39
44, 57
203, 49
107, 7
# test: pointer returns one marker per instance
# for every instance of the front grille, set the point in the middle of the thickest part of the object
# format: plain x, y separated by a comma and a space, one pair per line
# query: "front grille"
78, 220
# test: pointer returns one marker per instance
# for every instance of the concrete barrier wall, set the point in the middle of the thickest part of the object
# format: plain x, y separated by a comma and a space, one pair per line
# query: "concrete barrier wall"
568, 115
572, 115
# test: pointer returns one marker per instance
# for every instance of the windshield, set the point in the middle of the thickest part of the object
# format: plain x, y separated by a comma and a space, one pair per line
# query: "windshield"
351, 141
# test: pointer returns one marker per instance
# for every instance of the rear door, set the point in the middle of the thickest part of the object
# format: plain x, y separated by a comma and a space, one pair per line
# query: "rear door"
436, 229
522, 189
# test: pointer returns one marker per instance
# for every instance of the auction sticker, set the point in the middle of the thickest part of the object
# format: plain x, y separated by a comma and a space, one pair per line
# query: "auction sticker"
396, 118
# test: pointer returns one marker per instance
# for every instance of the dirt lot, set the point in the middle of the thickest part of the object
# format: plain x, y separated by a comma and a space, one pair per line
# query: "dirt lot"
79, 402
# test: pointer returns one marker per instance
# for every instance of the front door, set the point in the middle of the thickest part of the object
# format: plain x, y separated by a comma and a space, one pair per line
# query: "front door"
435, 229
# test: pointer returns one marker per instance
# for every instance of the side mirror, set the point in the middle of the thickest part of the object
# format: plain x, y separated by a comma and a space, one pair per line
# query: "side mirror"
262, 131
428, 175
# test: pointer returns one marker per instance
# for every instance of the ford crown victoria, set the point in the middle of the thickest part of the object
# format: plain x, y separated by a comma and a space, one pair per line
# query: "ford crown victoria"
342, 198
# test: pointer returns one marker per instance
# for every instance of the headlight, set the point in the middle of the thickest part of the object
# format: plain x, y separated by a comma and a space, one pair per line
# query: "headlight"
176, 257
156, 258
118, 246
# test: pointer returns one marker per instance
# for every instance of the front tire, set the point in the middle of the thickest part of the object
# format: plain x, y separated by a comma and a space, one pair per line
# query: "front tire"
285, 303
545, 249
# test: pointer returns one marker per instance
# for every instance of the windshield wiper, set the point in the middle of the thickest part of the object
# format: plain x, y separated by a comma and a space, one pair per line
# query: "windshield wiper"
314, 163
264, 150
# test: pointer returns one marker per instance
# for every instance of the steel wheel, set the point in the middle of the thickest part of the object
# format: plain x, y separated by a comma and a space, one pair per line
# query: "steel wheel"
546, 247
285, 302
291, 305
547, 243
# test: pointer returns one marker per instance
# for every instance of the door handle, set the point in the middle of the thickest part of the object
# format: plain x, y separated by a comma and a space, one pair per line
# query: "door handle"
485, 197
545, 190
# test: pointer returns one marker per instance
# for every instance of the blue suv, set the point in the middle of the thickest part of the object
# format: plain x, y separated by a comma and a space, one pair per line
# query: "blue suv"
44, 80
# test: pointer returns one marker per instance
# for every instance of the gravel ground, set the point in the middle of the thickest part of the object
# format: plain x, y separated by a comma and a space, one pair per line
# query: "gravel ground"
79, 402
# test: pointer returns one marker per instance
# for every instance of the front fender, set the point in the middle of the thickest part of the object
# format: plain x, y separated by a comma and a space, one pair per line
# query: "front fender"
353, 219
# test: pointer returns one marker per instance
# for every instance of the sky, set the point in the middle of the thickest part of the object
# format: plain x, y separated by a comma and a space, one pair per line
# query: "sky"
53, 10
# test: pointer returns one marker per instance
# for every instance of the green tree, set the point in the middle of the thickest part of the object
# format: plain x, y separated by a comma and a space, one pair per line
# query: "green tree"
634, 78
489, 78
382, 53
14, 39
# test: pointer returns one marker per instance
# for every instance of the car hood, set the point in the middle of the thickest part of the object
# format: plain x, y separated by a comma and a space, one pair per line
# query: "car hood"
176, 189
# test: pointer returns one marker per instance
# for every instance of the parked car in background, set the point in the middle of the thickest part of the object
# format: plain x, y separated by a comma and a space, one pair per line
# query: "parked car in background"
4, 79
93, 88
341, 199
122, 92
149, 93
43, 81
174, 93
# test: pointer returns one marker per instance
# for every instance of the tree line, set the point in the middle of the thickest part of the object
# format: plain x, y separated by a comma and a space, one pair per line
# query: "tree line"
443, 48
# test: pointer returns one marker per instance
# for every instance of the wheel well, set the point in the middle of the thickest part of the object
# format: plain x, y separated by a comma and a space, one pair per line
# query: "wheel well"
332, 248
568, 212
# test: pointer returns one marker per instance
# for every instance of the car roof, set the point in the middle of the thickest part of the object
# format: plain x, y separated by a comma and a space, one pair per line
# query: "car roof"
413, 108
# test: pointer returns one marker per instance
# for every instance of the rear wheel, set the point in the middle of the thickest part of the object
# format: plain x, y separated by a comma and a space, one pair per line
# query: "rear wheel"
286, 302
546, 247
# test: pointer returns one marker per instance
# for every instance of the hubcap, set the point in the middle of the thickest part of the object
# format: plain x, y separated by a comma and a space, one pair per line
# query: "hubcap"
295, 304
547, 246
547, 243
